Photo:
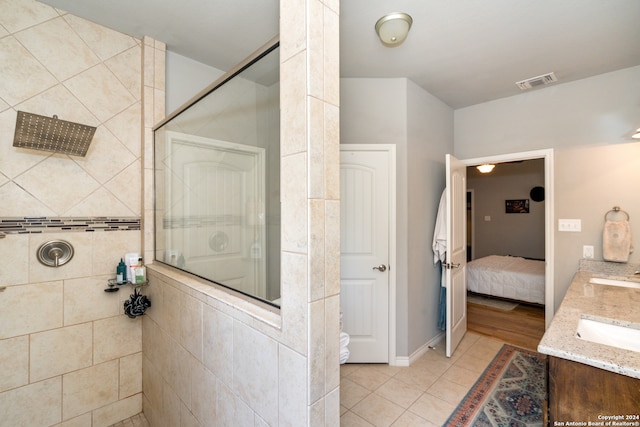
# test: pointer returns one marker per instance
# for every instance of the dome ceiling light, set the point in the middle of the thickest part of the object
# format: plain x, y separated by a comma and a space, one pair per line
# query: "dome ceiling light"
485, 168
393, 28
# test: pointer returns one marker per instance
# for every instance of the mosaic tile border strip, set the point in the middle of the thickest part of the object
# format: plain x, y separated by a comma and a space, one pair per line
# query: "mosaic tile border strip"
35, 225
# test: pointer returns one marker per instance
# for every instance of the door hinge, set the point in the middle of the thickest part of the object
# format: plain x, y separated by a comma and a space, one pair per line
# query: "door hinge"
449, 265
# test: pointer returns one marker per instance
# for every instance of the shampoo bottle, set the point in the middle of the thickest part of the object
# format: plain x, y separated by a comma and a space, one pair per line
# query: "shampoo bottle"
121, 273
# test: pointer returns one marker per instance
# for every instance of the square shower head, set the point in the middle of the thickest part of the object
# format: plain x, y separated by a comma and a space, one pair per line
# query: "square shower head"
51, 134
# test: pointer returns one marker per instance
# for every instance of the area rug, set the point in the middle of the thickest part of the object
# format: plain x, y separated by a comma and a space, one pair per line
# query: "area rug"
510, 392
492, 302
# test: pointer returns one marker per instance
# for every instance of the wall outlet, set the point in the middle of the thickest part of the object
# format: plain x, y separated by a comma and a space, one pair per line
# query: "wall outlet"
587, 252
574, 225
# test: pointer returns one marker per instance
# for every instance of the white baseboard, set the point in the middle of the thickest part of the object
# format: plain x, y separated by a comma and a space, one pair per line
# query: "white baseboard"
407, 361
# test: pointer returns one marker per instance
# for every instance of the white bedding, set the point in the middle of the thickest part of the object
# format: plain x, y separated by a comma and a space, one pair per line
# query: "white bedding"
507, 277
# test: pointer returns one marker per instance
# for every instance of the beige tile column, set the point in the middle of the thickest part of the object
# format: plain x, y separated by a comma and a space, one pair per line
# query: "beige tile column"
153, 111
310, 170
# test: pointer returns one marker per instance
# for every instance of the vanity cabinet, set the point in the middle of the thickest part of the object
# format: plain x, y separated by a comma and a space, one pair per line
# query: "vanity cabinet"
583, 393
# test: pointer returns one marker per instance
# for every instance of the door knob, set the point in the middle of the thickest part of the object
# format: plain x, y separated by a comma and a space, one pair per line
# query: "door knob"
381, 267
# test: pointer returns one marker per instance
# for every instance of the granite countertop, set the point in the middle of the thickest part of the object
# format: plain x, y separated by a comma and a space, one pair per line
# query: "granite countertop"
613, 304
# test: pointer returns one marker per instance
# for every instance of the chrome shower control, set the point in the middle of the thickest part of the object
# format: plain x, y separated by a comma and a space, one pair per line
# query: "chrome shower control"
55, 253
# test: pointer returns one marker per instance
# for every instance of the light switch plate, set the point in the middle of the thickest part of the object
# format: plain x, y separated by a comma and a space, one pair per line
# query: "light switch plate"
574, 225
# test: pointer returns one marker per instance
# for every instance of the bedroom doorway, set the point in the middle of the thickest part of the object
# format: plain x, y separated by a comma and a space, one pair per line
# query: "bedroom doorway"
543, 245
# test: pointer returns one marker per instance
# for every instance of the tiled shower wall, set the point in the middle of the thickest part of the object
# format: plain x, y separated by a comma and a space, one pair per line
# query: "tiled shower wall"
214, 359
68, 354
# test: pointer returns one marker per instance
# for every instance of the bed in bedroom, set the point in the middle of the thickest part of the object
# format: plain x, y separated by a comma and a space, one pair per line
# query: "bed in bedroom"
509, 277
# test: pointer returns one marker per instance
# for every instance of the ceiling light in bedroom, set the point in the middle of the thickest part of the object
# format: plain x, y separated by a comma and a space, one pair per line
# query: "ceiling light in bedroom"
393, 28
636, 135
485, 168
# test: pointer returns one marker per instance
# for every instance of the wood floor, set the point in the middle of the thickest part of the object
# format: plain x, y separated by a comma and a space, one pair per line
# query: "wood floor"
523, 326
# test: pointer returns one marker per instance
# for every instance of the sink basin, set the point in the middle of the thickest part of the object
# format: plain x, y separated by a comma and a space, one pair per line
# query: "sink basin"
614, 282
602, 332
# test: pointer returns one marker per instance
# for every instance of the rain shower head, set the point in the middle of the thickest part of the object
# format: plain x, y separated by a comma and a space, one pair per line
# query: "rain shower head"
51, 134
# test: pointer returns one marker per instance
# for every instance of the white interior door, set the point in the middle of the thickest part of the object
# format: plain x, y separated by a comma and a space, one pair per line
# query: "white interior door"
456, 260
364, 236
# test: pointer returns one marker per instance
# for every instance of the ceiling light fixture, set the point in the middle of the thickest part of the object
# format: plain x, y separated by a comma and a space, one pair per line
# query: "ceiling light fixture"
393, 28
636, 135
485, 168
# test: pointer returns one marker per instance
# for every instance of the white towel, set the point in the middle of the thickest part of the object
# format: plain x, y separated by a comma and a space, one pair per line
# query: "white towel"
616, 241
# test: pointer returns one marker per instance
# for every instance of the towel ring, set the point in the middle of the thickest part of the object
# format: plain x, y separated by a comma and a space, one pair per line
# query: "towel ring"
616, 209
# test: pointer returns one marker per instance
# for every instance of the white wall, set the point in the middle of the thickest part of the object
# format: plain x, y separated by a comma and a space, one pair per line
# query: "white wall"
396, 111
589, 123
185, 79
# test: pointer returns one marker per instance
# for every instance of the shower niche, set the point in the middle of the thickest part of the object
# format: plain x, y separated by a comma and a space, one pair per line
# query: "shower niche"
217, 181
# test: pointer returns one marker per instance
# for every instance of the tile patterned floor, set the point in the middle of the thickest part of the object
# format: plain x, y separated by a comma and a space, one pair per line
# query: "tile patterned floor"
424, 394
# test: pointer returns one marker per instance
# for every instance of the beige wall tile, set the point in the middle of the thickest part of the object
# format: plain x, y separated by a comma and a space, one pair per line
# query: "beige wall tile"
331, 57
204, 386
37, 404
294, 203
118, 411
126, 187
22, 204
332, 152
317, 357
78, 266
103, 105
172, 319
316, 249
104, 42
17, 64
332, 247
293, 107
178, 372
231, 410
130, 375
292, 387
47, 37
332, 346
60, 351
81, 421
102, 380
170, 407
191, 326
116, 337
109, 248
292, 28
99, 161
24, 14
316, 150
17, 308
315, 50
255, 374
45, 180
85, 300
126, 127
217, 344
14, 253
15, 363
295, 298
152, 383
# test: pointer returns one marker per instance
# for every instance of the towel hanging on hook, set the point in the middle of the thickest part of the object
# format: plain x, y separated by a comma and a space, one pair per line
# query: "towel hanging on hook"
616, 237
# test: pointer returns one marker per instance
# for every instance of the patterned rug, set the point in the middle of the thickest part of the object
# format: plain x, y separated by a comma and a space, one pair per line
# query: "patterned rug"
509, 393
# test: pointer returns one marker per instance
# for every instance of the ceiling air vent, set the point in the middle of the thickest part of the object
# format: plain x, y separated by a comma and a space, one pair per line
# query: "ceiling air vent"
544, 79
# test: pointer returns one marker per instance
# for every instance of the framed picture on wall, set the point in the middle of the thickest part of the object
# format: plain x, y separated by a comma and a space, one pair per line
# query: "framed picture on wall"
517, 206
